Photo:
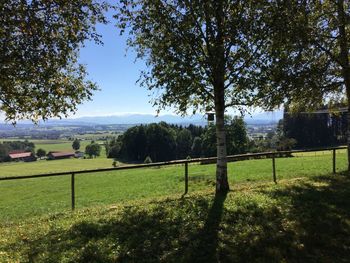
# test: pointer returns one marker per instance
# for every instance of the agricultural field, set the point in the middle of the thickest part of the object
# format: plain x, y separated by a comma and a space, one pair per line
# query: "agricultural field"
52, 195
53, 166
96, 136
59, 145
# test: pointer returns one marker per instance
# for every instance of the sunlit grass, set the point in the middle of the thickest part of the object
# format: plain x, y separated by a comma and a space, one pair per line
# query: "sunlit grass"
26, 198
298, 220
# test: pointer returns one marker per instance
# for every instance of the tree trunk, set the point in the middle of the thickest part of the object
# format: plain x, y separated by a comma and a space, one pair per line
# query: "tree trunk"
344, 58
222, 185
219, 69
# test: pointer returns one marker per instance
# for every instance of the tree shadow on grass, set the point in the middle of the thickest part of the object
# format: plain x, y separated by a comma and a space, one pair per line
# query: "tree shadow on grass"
155, 234
320, 216
307, 222
183, 230
202, 247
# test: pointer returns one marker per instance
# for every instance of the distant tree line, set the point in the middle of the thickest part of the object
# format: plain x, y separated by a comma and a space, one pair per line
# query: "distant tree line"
163, 142
304, 130
315, 129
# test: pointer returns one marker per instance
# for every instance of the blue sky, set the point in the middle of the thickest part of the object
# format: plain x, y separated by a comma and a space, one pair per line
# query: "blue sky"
112, 66
114, 69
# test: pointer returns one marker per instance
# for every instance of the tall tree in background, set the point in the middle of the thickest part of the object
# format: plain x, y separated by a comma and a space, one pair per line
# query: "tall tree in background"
76, 144
134, 143
161, 142
40, 153
39, 43
236, 135
201, 55
309, 55
183, 143
93, 149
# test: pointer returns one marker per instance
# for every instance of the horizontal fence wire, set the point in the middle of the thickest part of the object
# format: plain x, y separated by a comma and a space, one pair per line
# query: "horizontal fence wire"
231, 158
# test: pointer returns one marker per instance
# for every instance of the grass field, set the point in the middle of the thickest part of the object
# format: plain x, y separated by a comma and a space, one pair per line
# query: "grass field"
34, 197
51, 166
96, 136
59, 145
298, 220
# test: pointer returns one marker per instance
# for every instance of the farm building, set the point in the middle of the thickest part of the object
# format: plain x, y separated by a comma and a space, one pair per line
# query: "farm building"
79, 154
22, 156
60, 155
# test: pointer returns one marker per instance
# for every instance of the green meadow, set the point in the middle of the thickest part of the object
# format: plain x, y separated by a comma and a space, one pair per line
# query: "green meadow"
298, 220
23, 199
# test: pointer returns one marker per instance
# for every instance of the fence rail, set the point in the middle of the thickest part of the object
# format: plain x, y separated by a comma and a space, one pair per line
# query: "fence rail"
231, 158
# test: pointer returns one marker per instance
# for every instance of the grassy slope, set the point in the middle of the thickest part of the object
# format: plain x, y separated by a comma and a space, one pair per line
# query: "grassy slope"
27, 198
298, 220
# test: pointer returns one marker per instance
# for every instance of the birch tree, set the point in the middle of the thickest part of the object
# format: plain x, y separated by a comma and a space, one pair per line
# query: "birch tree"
200, 55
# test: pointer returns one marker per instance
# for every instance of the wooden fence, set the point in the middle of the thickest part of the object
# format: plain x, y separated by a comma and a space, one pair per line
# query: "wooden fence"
231, 158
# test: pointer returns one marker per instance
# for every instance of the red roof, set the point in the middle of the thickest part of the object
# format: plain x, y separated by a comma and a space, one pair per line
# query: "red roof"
17, 151
20, 155
62, 154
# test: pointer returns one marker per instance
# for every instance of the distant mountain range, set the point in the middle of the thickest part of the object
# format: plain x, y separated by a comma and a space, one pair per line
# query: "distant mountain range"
261, 118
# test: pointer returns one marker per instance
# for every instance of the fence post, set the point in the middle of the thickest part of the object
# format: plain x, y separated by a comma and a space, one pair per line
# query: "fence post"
73, 190
334, 159
274, 168
186, 178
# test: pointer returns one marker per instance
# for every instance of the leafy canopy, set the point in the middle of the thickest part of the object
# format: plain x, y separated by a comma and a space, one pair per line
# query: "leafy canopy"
306, 61
190, 45
39, 43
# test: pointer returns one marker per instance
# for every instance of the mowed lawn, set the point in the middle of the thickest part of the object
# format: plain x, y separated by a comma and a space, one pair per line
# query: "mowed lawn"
297, 220
34, 197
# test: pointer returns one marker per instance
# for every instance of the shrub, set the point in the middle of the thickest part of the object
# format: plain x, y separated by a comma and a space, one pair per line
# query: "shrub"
40, 153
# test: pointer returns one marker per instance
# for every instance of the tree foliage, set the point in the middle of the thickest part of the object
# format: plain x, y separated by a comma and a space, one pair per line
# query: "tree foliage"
40, 153
4, 152
186, 73
7, 146
164, 142
39, 43
113, 147
200, 55
236, 137
309, 55
76, 144
93, 149
196, 148
315, 130
20, 145
183, 143
306, 60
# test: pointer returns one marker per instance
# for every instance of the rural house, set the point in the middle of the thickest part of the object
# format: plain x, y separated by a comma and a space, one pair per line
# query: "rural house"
60, 155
